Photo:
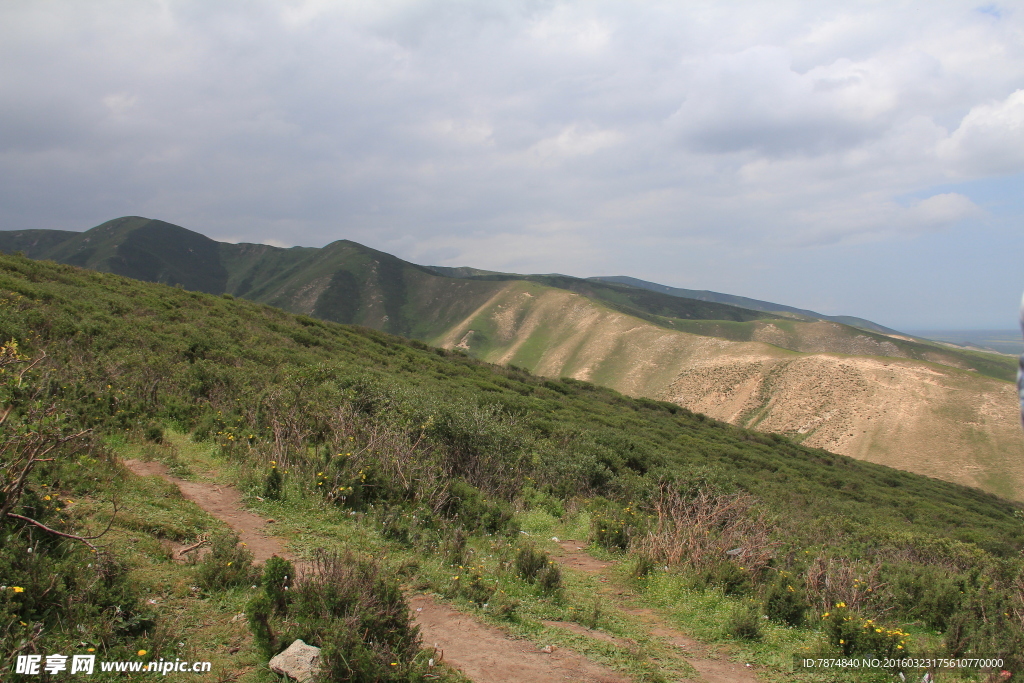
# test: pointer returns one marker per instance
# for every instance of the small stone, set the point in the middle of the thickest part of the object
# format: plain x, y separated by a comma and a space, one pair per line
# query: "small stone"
299, 661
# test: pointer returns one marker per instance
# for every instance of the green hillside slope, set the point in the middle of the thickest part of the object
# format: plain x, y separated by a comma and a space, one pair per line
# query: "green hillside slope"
33, 243
934, 411
428, 446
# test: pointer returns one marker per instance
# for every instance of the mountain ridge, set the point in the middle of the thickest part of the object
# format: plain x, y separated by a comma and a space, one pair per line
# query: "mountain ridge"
745, 302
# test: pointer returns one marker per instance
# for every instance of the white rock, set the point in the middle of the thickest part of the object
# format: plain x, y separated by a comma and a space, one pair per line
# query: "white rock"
299, 661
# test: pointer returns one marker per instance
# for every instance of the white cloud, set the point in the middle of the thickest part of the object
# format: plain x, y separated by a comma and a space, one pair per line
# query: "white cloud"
989, 140
455, 128
942, 210
573, 141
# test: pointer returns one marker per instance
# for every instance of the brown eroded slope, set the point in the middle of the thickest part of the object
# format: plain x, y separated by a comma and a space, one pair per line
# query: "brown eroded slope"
925, 417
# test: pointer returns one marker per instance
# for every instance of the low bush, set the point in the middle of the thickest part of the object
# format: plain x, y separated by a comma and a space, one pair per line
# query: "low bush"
784, 599
472, 509
278, 578
530, 562
351, 608
471, 585
272, 483
550, 578
154, 432
614, 526
852, 634
744, 622
227, 565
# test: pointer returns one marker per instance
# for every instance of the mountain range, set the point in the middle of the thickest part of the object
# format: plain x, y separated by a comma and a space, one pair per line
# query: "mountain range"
840, 383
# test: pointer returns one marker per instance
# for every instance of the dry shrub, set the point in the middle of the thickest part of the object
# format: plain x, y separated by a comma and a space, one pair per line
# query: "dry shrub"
705, 528
834, 580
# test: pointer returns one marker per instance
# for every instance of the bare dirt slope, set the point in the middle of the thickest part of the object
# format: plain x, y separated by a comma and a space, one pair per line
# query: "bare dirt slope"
929, 419
811, 380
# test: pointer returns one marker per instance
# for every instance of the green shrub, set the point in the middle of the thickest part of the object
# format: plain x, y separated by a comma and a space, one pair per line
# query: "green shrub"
612, 525
227, 565
352, 609
278, 577
397, 526
744, 621
56, 589
258, 612
550, 578
472, 509
534, 499
852, 634
987, 624
471, 585
154, 432
530, 562
784, 599
732, 578
272, 484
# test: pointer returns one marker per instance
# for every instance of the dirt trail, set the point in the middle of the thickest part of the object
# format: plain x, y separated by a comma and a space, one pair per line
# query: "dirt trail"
483, 653
225, 503
712, 665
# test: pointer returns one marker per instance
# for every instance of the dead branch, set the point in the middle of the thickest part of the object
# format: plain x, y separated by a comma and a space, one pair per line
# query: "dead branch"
74, 537
201, 542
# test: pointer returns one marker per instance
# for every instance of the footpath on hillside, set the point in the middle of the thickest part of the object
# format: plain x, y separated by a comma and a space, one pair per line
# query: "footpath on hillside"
712, 665
483, 653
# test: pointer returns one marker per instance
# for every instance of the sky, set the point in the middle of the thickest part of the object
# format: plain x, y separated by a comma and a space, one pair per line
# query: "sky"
855, 158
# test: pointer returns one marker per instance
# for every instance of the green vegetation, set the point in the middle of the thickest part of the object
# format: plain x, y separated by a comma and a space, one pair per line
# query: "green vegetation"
436, 461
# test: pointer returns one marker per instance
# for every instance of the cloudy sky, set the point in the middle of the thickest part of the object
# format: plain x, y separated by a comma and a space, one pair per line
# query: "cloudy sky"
851, 158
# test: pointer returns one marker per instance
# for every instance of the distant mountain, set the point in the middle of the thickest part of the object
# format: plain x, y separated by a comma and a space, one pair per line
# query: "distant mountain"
343, 282
744, 302
1000, 341
860, 390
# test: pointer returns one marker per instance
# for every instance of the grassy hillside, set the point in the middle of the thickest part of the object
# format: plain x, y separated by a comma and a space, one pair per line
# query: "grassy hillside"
944, 417
423, 443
